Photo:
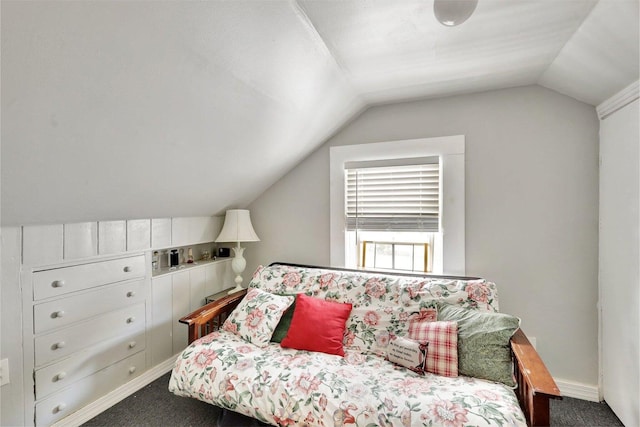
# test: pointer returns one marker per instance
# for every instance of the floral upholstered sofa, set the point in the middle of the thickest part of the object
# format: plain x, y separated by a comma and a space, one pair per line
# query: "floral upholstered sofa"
312, 346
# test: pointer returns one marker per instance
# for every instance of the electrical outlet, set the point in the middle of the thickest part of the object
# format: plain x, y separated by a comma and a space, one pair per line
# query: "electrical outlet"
4, 372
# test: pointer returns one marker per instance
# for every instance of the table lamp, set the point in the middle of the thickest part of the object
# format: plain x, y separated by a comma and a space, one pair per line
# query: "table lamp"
237, 228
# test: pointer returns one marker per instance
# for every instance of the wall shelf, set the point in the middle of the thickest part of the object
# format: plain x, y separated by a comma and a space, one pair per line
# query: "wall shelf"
186, 266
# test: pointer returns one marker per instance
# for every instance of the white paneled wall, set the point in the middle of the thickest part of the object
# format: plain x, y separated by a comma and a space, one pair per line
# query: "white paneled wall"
161, 232
179, 231
113, 237
42, 244
138, 235
41, 250
80, 240
53, 244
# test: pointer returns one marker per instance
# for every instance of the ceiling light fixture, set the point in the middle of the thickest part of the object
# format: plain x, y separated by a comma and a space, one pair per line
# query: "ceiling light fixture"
453, 12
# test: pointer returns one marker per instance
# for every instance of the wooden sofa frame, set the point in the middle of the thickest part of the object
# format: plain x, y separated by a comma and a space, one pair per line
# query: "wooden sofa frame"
534, 384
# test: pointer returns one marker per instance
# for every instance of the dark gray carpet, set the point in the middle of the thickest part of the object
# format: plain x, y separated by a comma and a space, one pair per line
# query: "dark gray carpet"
153, 405
576, 412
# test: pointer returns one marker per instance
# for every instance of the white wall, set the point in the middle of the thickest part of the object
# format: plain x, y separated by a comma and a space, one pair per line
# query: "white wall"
619, 256
531, 208
11, 395
129, 109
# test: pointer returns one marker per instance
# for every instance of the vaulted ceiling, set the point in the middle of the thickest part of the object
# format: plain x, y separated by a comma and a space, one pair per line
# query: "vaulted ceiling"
128, 109
391, 51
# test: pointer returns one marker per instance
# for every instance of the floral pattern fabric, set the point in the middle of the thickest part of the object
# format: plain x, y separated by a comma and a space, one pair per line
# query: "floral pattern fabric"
383, 305
283, 386
293, 387
257, 316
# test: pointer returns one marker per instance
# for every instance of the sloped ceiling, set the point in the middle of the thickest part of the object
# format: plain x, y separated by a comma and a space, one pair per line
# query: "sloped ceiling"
129, 109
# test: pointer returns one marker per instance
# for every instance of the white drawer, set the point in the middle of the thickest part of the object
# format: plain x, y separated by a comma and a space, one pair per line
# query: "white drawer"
60, 281
84, 363
64, 311
125, 323
83, 392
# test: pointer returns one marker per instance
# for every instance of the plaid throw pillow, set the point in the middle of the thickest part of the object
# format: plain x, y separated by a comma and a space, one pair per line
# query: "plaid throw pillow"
419, 317
442, 357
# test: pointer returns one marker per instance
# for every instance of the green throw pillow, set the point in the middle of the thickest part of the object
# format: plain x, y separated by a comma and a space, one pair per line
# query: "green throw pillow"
285, 321
484, 350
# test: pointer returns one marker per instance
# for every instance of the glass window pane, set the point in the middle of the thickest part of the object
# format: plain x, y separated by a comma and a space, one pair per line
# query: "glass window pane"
383, 256
370, 255
418, 260
404, 257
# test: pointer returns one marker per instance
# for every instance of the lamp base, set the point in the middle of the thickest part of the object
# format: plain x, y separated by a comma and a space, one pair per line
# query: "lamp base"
238, 264
238, 288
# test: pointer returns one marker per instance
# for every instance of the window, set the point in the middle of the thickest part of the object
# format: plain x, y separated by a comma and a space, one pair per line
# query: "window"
388, 229
394, 256
392, 198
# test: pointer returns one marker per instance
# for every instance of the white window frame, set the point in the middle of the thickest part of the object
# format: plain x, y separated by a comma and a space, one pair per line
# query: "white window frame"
450, 149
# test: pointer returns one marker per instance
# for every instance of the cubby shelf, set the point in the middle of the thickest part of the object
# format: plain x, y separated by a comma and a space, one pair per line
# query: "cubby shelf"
187, 266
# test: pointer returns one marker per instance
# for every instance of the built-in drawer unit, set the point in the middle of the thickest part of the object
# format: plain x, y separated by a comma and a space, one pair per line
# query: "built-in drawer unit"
87, 331
86, 362
88, 389
60, 281
65, 311
125, 323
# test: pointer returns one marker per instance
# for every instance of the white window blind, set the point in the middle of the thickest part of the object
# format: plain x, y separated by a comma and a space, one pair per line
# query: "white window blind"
393, 197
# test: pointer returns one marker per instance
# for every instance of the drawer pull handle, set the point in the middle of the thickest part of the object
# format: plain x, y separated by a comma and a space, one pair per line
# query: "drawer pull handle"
132, 369
132, 344
58, 345
131, 319
61, 407
131, 294
57, 314
57, 283
60, 376
127, 269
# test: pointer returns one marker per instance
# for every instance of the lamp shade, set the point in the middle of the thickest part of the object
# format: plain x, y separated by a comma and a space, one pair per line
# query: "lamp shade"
237, 227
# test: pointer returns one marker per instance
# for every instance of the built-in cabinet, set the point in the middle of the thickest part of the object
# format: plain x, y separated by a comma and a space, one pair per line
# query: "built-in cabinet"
88, 333
619, 254
97, 315
176, 294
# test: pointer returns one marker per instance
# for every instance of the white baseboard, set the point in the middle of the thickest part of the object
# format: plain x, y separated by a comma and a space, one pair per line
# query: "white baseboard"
107, 401
578, 390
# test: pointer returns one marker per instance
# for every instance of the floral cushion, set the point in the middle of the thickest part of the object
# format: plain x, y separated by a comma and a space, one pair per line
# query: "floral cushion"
257, 316
382, 304
293, 387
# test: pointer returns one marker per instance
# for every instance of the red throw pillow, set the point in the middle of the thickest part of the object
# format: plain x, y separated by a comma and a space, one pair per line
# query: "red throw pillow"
317, 325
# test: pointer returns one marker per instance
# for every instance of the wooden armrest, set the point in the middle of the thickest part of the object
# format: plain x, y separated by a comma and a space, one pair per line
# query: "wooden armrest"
209, 318
535, 385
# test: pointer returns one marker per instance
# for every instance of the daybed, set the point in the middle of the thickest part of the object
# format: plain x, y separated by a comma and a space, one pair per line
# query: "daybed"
311, 378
